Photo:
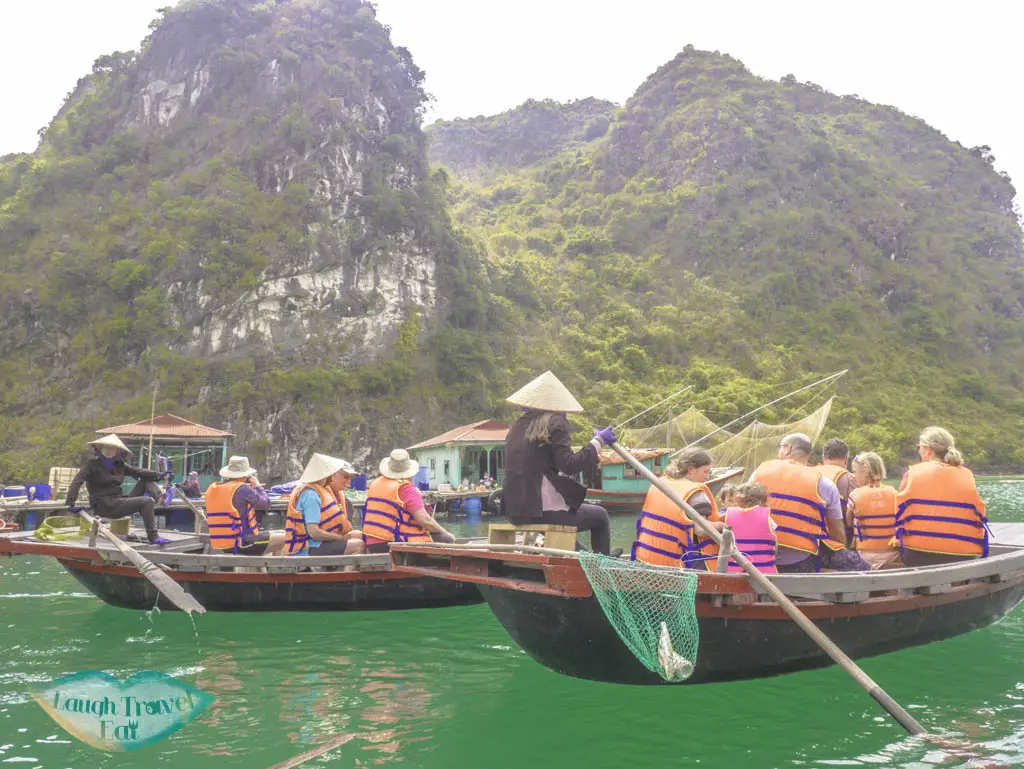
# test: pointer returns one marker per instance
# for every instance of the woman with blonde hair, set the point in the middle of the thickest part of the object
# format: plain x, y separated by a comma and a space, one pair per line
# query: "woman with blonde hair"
940, 516
871, 513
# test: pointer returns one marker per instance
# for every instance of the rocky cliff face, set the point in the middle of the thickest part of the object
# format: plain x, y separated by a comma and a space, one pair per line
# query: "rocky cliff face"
252, 185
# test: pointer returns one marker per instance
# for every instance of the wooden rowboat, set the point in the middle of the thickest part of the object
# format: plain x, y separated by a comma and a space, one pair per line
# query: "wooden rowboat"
546, 604
244, 583
632, 502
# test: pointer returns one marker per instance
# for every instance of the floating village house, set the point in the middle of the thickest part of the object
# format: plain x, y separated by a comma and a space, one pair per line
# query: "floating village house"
187, 445
616, 475
468, 451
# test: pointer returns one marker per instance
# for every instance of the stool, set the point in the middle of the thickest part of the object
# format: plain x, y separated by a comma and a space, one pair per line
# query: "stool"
555, 537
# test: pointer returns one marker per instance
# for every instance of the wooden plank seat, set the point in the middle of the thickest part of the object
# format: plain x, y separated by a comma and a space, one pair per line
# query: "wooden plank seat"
555, 537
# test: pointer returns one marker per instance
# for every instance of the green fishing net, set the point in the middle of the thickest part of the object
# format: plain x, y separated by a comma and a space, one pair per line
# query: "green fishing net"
652, 609
58, 528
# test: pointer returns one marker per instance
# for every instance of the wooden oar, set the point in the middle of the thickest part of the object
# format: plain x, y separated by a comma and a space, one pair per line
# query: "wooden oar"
170, 589
840, 657
199, 514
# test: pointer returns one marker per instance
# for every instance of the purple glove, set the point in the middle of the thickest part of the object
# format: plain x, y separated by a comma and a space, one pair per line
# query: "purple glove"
75, 509
606, 436
160, 541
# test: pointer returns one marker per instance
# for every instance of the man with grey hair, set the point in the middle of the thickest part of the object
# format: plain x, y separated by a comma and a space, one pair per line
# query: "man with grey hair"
807, 512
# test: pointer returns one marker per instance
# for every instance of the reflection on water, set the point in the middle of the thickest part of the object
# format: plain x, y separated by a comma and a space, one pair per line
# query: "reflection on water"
448, 688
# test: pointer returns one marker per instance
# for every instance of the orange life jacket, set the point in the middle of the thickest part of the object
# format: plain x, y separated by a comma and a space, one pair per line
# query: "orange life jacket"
797, 508
940, 511
228, 530
664, 533
385, 517
874, 517
333, 518
834, 473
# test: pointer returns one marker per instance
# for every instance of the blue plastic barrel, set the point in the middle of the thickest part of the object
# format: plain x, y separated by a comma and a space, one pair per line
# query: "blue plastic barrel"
473, 506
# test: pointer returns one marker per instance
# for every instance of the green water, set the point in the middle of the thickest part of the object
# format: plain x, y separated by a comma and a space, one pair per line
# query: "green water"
447, 688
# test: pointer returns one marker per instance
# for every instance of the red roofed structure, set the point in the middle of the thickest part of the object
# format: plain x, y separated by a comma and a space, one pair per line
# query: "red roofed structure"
167, 426
466, 453
187, 446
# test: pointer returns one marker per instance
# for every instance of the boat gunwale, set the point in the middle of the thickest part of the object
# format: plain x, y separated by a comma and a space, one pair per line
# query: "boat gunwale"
563, 575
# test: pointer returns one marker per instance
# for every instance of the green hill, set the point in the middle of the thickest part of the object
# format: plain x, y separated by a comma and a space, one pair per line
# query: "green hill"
244, 211
733, 230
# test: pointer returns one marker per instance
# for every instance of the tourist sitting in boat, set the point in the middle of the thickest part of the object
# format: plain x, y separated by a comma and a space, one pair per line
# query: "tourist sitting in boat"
871, 514
807, 510
664, 533
752, 526
190, 488
726, 495
835, 458
539, 463
103, 475
317, 522
940, 516
231, 512
394, 509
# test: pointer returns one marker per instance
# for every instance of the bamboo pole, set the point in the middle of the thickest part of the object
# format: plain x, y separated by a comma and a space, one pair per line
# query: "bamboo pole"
152, 427
893, 708
170, 589
199, 514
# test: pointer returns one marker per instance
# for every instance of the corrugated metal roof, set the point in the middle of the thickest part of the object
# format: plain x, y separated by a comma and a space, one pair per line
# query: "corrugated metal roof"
487, 431
609, 457
167, 426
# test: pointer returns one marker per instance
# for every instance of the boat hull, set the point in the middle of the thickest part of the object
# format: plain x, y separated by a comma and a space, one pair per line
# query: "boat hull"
572, 636
330, 591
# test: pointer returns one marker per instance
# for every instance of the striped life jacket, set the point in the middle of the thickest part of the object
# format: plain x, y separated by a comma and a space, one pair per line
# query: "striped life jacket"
940, 511
797, 508
834, 473
874, 517
385, 517
664, 533
229, 530
333, 518
754, 537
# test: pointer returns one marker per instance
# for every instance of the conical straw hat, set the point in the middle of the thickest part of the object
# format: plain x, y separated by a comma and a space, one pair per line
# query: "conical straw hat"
545, 393
111, 440
321, 466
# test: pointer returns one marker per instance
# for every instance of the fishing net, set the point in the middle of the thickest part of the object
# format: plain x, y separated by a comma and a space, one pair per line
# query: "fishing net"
676, 433
652, 609
58, 528
758, 442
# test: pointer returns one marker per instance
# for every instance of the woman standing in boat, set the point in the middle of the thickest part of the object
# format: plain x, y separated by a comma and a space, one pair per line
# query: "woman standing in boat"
941, 517
103, 475
871, 513
664, 533
539, 461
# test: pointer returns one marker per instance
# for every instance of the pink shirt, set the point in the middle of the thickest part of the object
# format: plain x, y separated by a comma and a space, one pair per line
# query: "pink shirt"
412, 500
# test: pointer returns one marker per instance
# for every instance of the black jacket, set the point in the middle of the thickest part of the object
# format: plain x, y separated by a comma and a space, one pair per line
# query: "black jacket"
104, 484
526, 464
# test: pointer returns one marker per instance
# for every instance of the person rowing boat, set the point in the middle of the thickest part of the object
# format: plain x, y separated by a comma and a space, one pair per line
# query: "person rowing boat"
103, 475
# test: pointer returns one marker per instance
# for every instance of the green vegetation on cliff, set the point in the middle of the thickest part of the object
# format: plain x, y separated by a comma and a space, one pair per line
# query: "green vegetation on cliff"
731, 230
245, 211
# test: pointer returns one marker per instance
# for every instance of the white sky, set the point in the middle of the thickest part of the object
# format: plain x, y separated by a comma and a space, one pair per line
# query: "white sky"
955, 64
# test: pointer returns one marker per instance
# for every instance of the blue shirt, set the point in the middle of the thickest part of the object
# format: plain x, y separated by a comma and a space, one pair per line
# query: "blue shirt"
309, 506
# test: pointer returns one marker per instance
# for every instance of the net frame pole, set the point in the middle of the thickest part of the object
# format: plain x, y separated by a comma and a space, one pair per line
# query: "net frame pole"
893, 708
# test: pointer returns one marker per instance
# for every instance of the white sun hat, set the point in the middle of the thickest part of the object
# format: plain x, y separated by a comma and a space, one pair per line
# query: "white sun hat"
111, 440
237, 467
545, 393
321, 466
398, 465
